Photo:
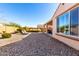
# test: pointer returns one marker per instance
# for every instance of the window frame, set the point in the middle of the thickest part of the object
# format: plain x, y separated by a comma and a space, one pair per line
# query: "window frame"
69, 23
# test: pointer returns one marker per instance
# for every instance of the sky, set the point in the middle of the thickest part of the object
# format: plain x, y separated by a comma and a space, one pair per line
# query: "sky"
27, 14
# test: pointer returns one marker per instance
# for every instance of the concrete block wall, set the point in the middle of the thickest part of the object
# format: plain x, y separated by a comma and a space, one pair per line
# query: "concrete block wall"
8, 29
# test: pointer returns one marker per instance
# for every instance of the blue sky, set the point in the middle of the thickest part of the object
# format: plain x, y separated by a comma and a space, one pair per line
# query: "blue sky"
27, 14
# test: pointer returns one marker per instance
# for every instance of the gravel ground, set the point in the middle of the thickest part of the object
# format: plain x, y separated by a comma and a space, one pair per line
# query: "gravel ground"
38, 44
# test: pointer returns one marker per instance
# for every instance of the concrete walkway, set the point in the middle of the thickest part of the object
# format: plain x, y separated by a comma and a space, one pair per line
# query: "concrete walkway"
37, 44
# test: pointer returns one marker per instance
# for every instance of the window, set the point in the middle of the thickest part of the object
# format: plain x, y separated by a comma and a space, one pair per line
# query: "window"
74, 22
68, 23
63, 23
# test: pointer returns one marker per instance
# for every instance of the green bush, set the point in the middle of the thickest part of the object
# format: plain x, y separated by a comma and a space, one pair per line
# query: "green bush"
19, 30
6, 35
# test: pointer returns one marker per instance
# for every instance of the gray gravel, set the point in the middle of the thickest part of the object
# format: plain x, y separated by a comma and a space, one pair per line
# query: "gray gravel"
38, 44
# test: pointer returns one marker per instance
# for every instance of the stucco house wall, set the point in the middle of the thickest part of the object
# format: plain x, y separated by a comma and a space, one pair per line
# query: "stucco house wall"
60, 10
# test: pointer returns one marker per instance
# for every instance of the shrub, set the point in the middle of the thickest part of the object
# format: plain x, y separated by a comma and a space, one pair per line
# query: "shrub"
19, 30
6, 35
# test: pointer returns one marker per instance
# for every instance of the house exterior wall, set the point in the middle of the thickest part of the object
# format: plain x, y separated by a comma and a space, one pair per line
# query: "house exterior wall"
42, 27
45, 27
48, 26
60, 10
73, 42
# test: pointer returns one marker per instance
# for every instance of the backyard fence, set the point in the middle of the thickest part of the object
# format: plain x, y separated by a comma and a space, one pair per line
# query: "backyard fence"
7, 29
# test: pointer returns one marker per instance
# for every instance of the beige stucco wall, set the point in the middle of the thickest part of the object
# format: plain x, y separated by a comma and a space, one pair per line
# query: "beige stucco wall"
62, 9
44, 28
8, 29
48, 26
70, 42
74, 43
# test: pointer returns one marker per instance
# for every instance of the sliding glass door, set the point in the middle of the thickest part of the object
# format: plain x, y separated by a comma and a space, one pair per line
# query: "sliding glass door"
74, 23
63, 23
68, 23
